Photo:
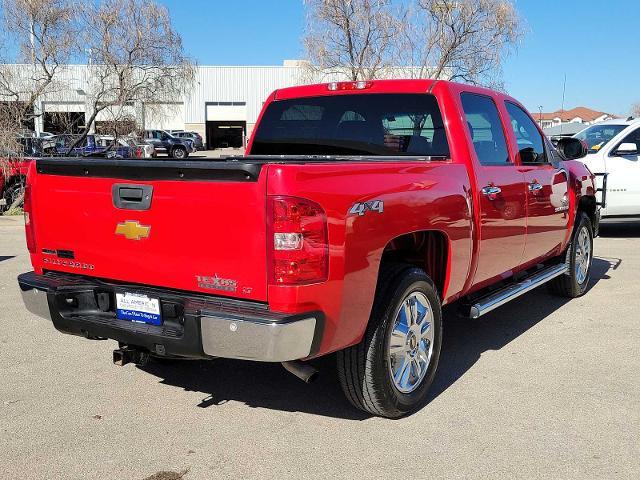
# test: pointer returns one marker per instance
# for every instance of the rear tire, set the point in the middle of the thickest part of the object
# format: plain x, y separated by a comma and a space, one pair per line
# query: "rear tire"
580, 257
390, 371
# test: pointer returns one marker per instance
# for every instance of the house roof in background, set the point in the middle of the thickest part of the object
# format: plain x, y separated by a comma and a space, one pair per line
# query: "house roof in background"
586, 114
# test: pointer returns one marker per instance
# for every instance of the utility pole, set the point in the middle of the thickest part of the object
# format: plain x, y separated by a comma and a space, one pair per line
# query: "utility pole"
540, 117
32, 40
564, 89
37, 114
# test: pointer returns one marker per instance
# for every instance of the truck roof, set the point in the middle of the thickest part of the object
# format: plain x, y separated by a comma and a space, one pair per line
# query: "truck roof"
421, 85
618, 121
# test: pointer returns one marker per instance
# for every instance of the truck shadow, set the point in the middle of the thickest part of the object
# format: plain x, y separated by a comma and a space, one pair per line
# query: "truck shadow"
466, 340
264, 385
259, 385
620, 230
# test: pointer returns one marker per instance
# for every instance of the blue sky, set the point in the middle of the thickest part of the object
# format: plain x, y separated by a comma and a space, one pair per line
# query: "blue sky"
595, 42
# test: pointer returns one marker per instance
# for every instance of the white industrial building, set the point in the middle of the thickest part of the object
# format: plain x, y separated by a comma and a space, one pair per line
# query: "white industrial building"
223, 103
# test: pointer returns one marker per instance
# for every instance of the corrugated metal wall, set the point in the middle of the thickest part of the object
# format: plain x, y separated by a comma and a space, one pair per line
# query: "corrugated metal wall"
246, 84
237, 84
213, 84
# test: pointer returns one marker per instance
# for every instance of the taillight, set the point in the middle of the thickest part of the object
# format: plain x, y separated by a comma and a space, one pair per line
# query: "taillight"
298, 242
28, 220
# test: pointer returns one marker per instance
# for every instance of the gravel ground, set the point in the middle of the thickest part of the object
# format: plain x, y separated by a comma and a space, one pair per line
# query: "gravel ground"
540, 388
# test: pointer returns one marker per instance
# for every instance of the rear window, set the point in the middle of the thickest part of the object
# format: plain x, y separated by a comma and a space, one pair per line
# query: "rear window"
360, 124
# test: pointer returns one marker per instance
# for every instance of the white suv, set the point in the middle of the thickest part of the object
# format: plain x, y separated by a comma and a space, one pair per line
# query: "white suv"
614, 148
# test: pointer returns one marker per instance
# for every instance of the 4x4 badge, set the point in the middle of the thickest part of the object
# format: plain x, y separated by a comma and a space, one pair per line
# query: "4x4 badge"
132, 230
363, 207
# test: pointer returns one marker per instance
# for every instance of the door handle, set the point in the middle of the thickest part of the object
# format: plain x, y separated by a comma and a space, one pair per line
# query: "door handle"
535, 186
131, 196
491, 191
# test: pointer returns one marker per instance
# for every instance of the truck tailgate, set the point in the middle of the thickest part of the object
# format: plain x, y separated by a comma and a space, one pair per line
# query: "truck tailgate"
203, 230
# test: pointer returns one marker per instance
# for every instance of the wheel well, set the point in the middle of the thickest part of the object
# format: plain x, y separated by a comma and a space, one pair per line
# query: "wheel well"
426, 249
587, 205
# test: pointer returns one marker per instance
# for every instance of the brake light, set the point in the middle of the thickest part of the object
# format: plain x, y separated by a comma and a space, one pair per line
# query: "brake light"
298, 246
28, 220
360, 85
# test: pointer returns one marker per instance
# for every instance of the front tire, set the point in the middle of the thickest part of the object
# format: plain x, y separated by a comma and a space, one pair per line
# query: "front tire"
390, 371
580, 257
179, 153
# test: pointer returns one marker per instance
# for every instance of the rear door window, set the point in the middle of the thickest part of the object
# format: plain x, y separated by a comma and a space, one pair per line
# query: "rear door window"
353, 124
485, 129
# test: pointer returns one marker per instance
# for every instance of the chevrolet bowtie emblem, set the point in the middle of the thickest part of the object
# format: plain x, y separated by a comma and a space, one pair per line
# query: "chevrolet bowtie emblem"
132, 230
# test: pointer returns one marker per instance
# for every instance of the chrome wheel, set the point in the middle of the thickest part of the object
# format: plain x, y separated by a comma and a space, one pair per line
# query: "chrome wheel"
583, 255
411, 343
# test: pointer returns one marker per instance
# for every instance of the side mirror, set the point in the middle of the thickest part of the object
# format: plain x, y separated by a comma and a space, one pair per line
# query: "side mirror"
571, 148
528, 155
627, 148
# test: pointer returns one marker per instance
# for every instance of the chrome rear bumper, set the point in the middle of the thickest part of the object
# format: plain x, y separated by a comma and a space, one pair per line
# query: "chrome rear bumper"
206, 327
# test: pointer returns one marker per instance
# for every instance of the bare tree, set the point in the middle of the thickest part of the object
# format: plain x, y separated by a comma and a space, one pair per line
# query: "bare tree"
635, 110
458, 39
36, 38
350, 38
136, 58
465, 40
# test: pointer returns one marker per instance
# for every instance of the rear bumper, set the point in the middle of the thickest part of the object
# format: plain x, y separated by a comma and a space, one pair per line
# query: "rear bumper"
193, 326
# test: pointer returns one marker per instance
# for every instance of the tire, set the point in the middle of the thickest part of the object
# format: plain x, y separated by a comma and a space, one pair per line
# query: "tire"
11, 193
580, 257
179, 153
367, 370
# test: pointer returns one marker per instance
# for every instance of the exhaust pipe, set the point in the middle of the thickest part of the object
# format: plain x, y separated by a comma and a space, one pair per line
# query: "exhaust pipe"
303, 371
124, 355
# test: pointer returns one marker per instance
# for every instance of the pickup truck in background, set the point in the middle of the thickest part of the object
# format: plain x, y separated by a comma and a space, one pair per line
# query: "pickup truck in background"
614, 149
93, 145
359, 210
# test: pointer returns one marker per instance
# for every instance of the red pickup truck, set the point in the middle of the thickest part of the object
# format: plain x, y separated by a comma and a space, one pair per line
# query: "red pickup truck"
358, 211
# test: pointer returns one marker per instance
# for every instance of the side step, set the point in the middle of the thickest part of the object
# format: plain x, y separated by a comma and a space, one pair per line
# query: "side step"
508, 293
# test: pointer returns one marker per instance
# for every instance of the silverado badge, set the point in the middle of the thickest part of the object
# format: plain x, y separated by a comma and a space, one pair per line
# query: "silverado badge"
132, 230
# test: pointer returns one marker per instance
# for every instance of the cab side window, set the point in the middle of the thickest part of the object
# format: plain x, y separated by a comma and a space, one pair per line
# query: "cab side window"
485, 128
530, 142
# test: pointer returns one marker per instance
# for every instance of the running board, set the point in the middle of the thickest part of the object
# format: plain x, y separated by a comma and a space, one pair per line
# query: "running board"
506, 294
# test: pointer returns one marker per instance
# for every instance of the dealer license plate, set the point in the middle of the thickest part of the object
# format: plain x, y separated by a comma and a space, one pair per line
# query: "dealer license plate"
135, 307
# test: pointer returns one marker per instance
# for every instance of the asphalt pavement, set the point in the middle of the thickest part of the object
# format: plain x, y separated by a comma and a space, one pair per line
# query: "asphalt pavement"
540, 388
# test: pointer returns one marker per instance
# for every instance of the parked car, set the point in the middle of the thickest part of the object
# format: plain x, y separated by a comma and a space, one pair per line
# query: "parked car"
164, 142
148, 150
93, 145
35, 146
195, 137
614, 149
360, 209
